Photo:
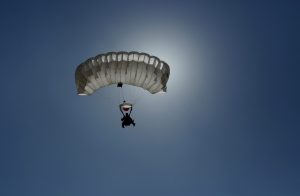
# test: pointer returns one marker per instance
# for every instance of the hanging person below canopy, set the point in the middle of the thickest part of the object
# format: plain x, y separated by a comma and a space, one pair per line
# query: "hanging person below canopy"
126, 120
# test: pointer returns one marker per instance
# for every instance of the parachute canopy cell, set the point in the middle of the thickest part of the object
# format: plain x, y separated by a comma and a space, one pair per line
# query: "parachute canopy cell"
132, 68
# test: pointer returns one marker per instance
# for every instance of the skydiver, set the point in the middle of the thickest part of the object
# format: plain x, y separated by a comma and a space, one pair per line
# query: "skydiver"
127, 120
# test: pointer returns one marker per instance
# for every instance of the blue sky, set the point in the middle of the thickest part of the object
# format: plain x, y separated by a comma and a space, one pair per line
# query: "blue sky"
228, 125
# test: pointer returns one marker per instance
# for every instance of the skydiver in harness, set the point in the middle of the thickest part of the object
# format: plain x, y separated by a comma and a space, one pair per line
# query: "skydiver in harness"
126, 120
127, 108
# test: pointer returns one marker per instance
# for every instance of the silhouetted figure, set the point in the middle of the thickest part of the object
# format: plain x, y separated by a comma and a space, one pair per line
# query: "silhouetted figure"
127, 120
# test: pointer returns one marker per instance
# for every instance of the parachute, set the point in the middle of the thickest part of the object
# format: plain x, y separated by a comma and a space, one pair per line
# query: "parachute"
131, 68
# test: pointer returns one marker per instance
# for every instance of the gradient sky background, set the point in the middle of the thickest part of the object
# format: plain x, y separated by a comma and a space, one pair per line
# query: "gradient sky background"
228, 126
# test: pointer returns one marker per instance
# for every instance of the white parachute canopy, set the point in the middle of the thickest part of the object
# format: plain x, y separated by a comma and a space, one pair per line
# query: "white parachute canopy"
132, 68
